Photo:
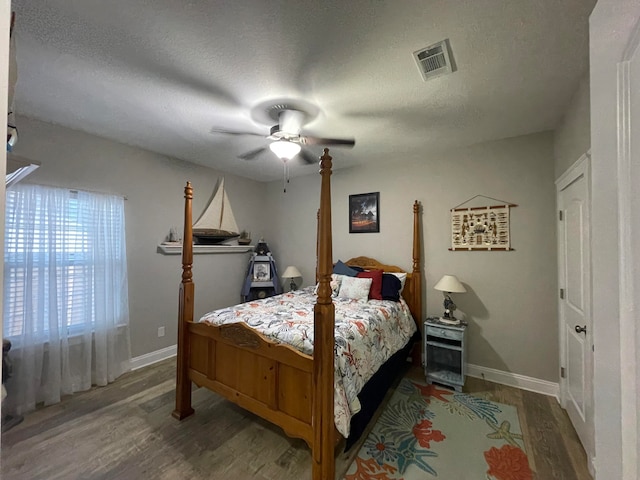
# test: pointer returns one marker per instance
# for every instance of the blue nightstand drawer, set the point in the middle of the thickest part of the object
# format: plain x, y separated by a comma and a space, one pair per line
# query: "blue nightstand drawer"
444, 333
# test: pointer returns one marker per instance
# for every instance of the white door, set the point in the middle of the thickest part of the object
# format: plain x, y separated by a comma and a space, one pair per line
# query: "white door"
575, 300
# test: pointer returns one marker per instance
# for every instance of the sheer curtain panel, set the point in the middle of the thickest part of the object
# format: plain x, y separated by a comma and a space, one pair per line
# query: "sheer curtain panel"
66, 307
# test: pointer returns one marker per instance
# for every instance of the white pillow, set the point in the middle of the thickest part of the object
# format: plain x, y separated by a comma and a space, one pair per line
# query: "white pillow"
402, 276
355, 288
335, 282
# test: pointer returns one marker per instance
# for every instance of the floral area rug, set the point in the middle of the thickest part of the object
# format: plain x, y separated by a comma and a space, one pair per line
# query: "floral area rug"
426, 431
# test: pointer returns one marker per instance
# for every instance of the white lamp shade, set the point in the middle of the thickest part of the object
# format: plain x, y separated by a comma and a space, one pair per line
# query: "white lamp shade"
291, 272
451, 284
285, 149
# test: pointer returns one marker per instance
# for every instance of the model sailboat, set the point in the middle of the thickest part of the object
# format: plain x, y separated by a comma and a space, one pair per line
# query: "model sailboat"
217, 223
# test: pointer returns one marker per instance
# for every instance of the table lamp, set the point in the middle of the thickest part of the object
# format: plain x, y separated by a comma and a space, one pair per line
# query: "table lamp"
449, 284
290, 273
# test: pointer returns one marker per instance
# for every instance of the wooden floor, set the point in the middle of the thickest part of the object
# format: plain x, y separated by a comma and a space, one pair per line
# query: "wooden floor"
125, 431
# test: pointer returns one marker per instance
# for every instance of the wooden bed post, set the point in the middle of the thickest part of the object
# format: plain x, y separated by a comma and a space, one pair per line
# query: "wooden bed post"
417, 254
185, 314
323, 351
317, 241
417, 281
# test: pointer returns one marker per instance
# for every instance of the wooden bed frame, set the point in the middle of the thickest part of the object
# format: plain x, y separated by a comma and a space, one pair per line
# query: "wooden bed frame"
275, 381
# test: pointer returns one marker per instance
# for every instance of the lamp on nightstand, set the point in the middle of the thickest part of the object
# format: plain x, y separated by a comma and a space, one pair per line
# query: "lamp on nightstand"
449, 284
290, 273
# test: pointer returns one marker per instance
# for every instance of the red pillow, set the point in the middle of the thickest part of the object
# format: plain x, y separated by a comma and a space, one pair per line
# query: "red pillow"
375, 293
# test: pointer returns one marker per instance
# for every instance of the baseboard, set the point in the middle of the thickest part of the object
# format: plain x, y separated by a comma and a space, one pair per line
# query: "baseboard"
514, 380
498, 376
154, 357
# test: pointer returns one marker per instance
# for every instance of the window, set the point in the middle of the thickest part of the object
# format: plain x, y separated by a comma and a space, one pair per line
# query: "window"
64, 257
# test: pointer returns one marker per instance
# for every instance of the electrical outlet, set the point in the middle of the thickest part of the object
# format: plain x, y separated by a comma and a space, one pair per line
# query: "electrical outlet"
161, 331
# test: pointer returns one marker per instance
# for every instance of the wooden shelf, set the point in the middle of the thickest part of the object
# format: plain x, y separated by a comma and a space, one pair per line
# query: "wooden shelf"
208, 249
444, 345
446, 376
267, 283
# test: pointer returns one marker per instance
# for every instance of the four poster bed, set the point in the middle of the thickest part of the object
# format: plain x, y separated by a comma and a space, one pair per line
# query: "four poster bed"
280, 383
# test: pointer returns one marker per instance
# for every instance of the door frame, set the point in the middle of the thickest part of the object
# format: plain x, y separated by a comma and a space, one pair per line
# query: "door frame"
628, 260
580, 168
614, 41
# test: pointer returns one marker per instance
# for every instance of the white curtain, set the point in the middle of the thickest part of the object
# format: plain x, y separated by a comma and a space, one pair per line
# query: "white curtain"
65, 293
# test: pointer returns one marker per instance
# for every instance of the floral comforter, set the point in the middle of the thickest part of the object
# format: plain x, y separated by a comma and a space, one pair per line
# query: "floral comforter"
367, 335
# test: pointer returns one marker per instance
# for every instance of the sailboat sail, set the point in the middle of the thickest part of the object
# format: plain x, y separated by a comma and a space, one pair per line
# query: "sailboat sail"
217, 222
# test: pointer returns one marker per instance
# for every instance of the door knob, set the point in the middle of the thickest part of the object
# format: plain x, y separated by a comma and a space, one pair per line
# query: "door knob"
580, 329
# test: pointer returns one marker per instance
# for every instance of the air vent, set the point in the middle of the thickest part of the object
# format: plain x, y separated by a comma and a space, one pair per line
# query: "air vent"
435, 60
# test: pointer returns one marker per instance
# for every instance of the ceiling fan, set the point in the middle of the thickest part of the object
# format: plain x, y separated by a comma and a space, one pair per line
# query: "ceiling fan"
287, 138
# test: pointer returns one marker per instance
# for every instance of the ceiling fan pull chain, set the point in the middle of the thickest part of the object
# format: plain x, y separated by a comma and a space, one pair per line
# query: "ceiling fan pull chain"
285, 172
284, 177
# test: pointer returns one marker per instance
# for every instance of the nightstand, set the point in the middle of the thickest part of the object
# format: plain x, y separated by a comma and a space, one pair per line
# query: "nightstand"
445, 352
262, 278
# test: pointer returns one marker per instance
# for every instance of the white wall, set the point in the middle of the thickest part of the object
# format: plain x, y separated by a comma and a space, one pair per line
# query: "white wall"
511, 300
572, 138
511, 303
154, 186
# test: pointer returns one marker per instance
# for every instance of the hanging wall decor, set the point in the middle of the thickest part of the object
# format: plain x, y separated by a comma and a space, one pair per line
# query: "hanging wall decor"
364, 213
481, 228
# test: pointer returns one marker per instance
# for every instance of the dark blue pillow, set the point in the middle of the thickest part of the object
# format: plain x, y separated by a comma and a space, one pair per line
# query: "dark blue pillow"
391, 286
342, 268
358, 269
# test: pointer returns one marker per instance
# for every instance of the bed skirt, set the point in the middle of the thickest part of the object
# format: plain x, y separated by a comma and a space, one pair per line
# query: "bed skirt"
375, 389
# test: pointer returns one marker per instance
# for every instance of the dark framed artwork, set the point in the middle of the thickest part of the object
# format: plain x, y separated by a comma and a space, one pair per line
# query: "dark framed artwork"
364, 213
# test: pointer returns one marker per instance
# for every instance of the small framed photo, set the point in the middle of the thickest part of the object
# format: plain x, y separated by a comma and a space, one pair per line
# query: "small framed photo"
364, 213
261, 272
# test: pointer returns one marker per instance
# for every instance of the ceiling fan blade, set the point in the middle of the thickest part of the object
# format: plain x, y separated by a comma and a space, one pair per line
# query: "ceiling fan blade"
308, 157
340, 142
233, 132
251, 154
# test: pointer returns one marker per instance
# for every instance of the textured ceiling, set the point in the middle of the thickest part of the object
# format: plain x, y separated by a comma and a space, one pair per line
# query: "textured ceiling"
160, 74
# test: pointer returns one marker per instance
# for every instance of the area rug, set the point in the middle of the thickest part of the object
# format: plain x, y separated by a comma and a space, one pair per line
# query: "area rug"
426, 431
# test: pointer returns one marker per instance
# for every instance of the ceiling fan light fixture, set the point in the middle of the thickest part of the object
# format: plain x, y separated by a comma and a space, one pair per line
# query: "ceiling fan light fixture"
284, 149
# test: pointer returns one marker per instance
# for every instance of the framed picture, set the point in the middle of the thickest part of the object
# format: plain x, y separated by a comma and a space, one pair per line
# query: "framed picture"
261, 272
364, 213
